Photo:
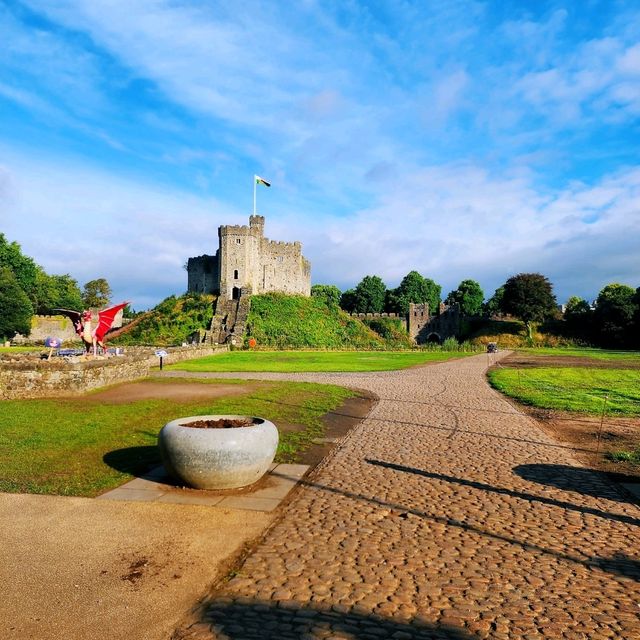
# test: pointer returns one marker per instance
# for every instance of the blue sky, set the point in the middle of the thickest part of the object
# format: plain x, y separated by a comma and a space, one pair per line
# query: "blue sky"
460, 139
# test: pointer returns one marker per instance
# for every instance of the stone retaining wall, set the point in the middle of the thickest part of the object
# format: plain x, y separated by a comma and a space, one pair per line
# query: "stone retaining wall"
29, 377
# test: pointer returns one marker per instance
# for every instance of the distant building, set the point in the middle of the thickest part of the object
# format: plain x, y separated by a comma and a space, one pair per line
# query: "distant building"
248, 263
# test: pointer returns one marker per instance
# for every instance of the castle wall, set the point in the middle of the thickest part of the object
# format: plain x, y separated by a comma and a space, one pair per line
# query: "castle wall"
203, 274
284, 268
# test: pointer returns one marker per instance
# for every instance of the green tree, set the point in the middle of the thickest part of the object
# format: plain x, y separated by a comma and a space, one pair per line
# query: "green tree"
493, 306
468, 296
369, 295
348, 300
96, 293
636, 319
414, 288
614, 314
23, 267
529, 296
45, 292
327, 292
578, 317
67, 293
15, 307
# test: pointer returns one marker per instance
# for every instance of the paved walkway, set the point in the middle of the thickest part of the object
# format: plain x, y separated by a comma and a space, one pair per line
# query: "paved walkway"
445, 514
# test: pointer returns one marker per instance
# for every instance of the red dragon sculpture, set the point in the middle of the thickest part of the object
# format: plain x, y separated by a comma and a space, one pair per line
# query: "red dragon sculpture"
82, 324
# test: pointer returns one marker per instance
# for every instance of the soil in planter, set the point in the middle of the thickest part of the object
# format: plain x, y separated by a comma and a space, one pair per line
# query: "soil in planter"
224, 423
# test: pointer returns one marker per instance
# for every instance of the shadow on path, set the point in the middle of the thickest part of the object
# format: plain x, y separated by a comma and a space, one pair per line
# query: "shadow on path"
529, 497
577, 479
608, 564
249, 619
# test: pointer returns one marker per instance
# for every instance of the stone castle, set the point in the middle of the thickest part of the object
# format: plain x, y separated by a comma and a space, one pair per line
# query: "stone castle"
247, 263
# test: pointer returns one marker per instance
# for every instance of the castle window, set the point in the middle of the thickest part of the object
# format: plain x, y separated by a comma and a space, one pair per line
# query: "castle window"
235, 274
280, 258
239, 240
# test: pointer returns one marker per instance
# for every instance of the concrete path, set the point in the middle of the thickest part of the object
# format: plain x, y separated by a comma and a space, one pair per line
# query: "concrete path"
445, 514
84, 569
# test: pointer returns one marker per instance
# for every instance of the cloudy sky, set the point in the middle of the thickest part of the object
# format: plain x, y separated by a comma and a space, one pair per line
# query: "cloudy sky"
459, 138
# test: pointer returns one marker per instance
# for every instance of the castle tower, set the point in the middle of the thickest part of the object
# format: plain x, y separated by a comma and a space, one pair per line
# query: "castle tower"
240, 258
247, 263
418, 318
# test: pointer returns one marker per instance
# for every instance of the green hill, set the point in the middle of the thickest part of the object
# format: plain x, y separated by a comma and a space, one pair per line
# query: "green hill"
283, 321
172, 322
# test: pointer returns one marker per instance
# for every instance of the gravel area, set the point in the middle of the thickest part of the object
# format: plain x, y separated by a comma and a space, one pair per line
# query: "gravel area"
447, 513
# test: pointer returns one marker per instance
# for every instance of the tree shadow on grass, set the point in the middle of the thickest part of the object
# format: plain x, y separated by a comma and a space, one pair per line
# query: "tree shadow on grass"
136, 461
292, 620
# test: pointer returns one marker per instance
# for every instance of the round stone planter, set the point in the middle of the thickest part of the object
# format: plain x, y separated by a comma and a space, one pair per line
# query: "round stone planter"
228, 458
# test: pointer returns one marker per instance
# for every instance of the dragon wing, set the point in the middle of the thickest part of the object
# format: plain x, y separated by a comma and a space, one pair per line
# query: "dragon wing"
105, 320
74, 316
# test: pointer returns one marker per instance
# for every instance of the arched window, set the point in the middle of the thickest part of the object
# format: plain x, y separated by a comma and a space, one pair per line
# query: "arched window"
235, 274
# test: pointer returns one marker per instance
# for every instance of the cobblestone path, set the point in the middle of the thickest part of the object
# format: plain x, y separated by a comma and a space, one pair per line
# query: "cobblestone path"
445, 514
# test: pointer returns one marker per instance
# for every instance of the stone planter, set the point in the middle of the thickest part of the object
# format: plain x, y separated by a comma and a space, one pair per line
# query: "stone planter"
227, 458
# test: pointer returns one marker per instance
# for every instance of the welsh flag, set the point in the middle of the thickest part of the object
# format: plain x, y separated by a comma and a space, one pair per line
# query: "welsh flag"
260, 180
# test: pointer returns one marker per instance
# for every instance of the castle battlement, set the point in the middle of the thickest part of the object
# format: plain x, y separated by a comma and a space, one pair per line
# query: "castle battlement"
247, 261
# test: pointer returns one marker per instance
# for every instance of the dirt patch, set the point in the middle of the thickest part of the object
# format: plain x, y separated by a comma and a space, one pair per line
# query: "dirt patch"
180, 391
527, 360
590, 438
337, 424
223, 423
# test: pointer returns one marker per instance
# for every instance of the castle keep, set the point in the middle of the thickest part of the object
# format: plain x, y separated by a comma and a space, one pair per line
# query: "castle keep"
247, 263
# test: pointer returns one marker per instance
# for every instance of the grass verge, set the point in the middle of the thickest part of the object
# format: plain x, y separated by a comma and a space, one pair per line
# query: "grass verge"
572, 388
585, 352
314, 361
82, 447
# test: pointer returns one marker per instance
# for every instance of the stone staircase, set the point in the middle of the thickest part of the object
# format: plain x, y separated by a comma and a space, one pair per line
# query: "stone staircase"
230, 319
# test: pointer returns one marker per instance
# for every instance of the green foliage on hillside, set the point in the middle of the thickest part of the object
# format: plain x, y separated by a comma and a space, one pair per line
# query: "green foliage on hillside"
392, 330
172, 322
278, 320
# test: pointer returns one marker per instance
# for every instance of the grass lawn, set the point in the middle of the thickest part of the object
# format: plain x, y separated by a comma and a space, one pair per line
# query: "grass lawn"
584, 352
82, 446
572, 388
22, 349
291, 361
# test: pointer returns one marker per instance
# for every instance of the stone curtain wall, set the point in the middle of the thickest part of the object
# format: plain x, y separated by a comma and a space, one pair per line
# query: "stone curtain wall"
26, 376
55, 326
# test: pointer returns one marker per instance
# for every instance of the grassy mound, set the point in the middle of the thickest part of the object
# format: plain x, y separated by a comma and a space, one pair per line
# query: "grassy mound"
283, 321
172, 322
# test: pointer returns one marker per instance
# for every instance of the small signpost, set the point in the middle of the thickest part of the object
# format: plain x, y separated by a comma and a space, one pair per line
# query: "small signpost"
52, 343
161, 353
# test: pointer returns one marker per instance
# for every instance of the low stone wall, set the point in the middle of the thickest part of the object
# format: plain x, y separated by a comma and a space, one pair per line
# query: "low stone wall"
30, 377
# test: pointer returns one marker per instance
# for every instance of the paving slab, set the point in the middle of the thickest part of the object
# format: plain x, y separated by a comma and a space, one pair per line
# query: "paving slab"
446, 513
266, 495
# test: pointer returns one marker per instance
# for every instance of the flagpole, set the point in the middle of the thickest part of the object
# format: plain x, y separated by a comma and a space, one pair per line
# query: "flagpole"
255, 182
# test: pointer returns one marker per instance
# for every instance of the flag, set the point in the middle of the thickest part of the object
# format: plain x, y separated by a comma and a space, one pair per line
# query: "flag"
260, 180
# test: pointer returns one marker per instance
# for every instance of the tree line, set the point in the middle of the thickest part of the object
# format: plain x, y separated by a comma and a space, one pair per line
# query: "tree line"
27, 289
612, 321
